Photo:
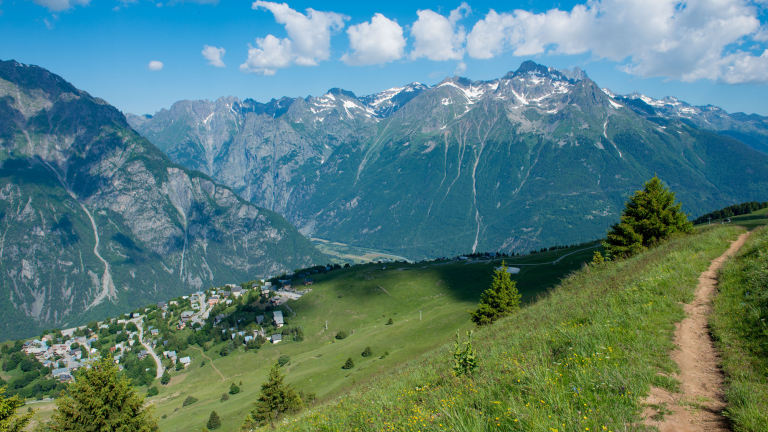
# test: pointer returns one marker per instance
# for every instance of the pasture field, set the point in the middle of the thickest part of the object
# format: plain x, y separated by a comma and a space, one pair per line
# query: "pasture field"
582, 357
428, 303
749, 221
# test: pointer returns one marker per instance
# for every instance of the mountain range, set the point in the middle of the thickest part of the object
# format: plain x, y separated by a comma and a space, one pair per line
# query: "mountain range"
96, 221
538, 157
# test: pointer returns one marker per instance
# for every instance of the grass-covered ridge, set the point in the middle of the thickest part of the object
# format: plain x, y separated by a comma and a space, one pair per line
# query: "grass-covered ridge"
741, 333
581, 358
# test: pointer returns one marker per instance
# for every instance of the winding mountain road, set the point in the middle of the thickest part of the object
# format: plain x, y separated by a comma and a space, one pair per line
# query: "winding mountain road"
151, 352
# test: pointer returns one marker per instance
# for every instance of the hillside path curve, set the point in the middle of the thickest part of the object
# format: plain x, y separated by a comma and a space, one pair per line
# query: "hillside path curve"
699, 405
210, 360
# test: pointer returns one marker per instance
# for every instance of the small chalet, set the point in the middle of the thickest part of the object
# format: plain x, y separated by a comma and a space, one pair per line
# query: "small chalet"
237, 291
187, 315
277, 338
308, 282
260, 319
185, 361
213, 300
277, 318
162, 305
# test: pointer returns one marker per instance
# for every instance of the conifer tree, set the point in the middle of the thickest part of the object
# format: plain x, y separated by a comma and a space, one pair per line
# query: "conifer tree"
100, 400
349, 364
9, 420
276, 399
498, 301
213, 421
367, 352
649, 216
166, 378
234, 389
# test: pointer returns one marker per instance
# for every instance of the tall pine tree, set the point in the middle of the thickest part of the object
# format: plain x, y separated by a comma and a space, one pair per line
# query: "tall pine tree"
100, 400
277, 398
649, 216
498, 301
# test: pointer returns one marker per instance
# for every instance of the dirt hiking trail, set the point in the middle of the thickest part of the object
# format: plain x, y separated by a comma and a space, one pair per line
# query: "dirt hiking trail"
210, 360
698, 405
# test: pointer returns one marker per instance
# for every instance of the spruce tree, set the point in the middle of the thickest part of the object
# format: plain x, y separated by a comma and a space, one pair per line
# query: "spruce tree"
649, 216
9, 420
100, 400
213, 421
234, 389
367, 352
498, 301
275, 400
349, 364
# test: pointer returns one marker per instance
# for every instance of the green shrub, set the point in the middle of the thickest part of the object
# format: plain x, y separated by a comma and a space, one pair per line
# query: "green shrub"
367, 352
189, 401
341, 335
283, 360
224, 397
153, 391
234, 389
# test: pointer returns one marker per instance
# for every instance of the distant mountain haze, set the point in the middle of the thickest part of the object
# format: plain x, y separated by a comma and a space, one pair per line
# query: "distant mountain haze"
95, 220
536, 158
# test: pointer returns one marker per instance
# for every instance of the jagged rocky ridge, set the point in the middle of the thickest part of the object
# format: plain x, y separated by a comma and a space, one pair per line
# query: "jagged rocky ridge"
95, 220
538, 157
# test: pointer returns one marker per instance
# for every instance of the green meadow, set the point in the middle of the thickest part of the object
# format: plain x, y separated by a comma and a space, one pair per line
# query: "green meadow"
581, 357
740, 328
427, 302
749, 221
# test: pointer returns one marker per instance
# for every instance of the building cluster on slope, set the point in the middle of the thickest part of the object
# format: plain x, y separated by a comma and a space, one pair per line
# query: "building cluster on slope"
66, 356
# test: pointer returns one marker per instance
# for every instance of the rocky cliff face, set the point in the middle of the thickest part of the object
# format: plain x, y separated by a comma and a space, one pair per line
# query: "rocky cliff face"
95, 220
538, 157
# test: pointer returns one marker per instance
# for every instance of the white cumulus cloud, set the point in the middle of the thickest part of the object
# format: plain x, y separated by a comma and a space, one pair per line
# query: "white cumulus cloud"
60, 5
155, 65
272, 54
308, 41
437, 37
687, 41
214, 55
378, 41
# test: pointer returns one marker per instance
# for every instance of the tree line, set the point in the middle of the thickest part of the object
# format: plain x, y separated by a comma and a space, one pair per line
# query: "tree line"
731, 211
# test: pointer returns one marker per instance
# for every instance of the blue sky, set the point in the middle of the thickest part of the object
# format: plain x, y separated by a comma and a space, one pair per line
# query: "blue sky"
703, 52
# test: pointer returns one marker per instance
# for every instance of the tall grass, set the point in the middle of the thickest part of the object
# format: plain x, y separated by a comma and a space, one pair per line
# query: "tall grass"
581, 358
740, 326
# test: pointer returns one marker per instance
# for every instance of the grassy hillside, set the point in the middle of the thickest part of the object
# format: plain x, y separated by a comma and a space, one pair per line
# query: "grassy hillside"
750, 221
741, 333
582, 358
359, 300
